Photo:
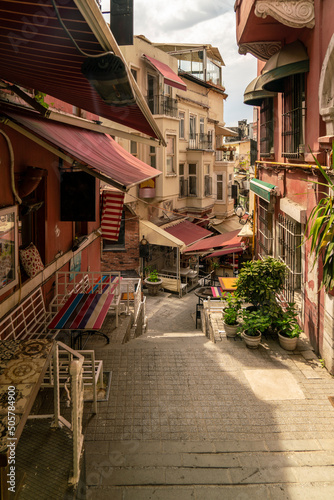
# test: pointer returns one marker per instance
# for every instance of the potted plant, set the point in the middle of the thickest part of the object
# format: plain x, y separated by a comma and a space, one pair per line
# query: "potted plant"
259, 281
231, 314
254, 323
287, 327
153, 282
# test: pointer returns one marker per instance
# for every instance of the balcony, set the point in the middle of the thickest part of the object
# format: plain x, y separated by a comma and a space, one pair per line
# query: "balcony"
200, 142
229, 155
162, 105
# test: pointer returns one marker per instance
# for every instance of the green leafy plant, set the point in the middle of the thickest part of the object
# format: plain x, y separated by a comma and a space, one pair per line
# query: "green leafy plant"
232, 311
286, 322
253, 323
320, 228
260, 280
153, 276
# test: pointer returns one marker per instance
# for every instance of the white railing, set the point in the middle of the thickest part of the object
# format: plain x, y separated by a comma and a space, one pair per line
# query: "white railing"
131, 296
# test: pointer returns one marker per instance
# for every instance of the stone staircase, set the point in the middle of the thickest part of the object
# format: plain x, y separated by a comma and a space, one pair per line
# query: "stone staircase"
166, 470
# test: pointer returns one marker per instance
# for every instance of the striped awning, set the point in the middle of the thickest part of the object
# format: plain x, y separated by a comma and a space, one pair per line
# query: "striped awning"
112, 207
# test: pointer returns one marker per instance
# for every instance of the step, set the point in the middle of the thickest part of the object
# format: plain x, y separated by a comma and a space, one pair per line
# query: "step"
203, 466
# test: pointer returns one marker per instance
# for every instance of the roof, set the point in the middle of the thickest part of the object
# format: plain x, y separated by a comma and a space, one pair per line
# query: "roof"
218, 241
36, 52
227, 225
99, 151
188, 232
172, 48
157, 236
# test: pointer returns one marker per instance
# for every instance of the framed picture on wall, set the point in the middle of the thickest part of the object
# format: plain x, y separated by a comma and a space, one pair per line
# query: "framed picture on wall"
9, 255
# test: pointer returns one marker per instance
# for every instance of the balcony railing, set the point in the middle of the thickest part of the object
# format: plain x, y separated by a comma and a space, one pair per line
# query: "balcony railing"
200, 141
162, 105
226, 156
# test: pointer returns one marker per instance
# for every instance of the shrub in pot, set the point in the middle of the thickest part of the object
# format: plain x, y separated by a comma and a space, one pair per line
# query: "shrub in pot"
287, 327
231, 314
254, 323
153, 282
260, 280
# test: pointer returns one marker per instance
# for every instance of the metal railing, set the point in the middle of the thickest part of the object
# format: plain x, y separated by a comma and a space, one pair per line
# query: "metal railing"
200, 141
162, 105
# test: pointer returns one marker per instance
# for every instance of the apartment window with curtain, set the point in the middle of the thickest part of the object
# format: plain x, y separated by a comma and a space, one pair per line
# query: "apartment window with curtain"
207, 181
220, 187
183, 182
134, 148
192, 127
266, 127
181, 124
170, 166
229, 186
153, 157
293, 117
192, 179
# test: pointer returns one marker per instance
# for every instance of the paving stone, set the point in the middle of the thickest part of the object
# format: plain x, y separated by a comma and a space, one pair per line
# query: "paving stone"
158, 493
305, 491
197, 476
131, 476
293, 445
258, 492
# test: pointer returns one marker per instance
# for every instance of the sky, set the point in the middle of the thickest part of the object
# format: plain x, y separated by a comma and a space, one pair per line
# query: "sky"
196, 21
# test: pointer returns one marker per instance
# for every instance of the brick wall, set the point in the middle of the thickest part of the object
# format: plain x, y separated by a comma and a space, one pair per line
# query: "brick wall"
126, 259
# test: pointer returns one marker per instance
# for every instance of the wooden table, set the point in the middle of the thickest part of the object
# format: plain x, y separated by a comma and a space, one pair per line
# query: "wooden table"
228, 284
83, 312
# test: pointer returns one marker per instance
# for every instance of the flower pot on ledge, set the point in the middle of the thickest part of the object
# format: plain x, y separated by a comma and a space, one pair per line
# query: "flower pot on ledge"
147, 192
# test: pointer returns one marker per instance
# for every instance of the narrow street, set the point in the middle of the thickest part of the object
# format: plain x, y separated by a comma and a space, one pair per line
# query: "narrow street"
191, 419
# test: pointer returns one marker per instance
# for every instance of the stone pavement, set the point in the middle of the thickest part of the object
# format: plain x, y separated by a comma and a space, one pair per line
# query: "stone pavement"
191, 419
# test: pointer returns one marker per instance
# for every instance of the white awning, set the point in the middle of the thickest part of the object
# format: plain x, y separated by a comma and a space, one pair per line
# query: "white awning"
157, 236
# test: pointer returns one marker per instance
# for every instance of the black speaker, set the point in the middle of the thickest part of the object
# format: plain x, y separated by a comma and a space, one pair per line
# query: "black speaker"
77, 197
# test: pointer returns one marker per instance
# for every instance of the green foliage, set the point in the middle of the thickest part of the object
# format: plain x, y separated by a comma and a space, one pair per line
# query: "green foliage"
39, 97
153, 276
286, 323
254, 322
231, 312
320, 228
260, 280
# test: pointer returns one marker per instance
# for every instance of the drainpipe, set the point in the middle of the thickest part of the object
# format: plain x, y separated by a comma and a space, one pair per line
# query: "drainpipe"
11, 158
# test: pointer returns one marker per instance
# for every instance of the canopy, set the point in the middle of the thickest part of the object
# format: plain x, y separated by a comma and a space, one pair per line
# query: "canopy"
157, 236
98, 151
170, 77
225, 131
38, 53
188, 232
229, 249
221, 240
255, 93
262, 189
290, 60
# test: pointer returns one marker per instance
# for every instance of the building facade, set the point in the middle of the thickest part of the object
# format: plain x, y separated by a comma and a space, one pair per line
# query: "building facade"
293, 42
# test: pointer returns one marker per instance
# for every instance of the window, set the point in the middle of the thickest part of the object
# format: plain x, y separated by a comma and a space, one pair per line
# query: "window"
266, 127
192, 179
293, 116
289, 251
265, 229
192, 127
167, 90
153, 157
183, 183
134, 73
32, 219
210, 139
201, 126
181, 125
229, 187
109, 245
170, 155
220, 187
133, 148
8, 248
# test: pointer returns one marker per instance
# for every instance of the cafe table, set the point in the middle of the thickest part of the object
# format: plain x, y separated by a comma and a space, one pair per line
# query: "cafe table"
23, 364
228, 284
83, 313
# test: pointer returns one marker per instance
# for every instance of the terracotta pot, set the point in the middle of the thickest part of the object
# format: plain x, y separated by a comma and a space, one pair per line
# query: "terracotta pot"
252, 341
289, 344
230, 330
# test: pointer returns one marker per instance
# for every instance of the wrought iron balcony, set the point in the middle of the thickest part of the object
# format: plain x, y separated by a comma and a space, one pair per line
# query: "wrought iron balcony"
200, 142
162, 105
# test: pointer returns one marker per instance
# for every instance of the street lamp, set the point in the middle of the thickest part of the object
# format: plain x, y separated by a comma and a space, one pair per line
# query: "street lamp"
240, 212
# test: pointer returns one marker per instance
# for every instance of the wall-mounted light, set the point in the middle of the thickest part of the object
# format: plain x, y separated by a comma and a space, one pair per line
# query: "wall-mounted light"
108, 76
241, 212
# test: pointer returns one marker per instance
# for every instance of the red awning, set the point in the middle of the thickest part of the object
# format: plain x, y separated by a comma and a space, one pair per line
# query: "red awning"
170, 77
188, 232
37, 53
99, 151
112, 207
218, 241
227, 250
